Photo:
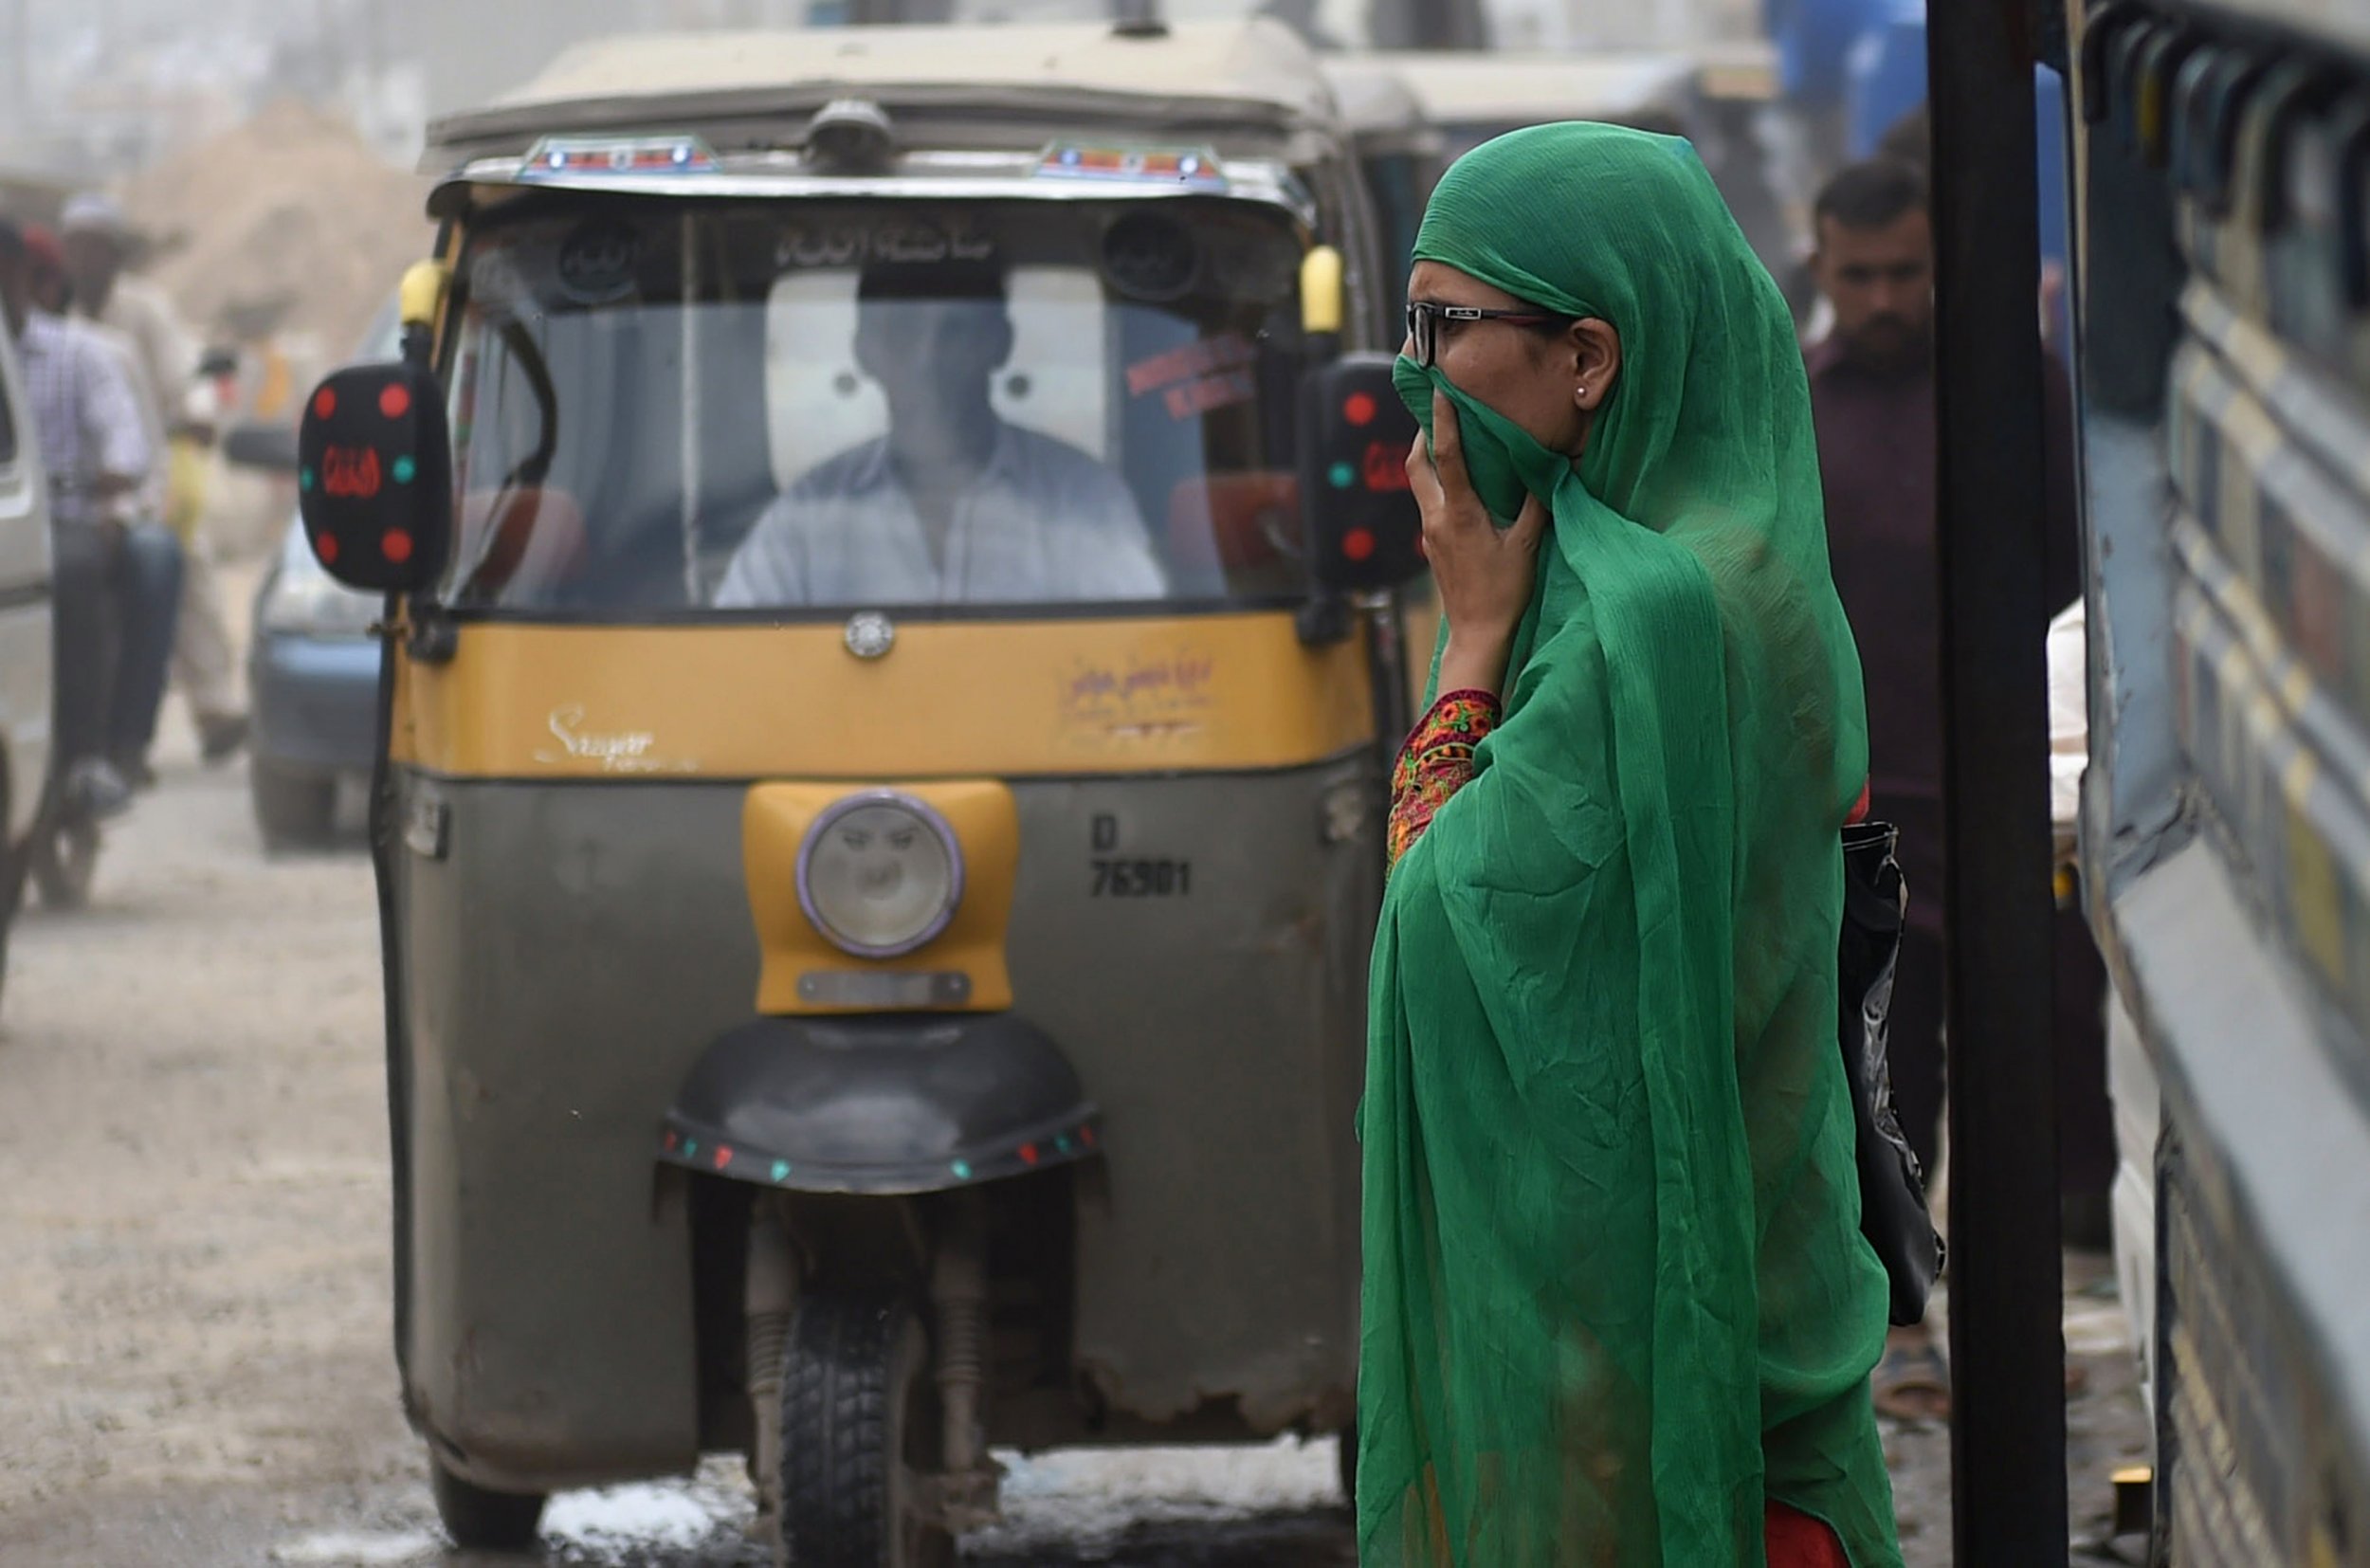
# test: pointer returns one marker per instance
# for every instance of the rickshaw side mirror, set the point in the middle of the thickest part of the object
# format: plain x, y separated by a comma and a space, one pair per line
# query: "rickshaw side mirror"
1364, 530
375, 478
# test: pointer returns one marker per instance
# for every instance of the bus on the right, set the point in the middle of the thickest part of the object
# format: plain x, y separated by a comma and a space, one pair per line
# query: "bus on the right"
2220, 160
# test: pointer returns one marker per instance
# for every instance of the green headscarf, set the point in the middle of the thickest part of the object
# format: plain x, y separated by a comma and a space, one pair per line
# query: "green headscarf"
1616, 1297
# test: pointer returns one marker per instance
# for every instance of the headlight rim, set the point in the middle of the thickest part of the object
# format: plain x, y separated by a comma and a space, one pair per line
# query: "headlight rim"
930, 817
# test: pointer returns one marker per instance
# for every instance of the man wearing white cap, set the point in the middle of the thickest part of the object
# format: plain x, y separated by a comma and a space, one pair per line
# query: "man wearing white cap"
97, 245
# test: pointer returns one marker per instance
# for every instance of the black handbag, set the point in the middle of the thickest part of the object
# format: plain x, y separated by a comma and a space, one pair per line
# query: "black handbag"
1894, 1212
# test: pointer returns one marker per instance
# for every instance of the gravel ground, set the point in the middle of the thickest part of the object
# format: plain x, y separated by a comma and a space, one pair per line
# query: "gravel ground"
195, 1362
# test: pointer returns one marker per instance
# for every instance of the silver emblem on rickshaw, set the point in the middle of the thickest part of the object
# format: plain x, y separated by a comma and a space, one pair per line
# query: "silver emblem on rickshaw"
870, 635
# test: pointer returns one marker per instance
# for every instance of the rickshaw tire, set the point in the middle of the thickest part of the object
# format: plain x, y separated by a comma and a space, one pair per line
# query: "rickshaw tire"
857, 1361
293, 810
15, 870
482, 1520
1348, 1463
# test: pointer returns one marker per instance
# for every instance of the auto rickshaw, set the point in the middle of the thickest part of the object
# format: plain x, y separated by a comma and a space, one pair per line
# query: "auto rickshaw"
1471, 98
875, 966
1704, 93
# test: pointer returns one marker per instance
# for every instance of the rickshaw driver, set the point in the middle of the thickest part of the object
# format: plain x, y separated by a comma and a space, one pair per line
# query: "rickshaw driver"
954, 504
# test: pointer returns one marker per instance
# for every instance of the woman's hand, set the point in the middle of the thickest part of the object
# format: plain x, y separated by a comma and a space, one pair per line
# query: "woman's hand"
1484, 575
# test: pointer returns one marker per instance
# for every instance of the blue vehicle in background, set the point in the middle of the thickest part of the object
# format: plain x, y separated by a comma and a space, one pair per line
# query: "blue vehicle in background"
312, 674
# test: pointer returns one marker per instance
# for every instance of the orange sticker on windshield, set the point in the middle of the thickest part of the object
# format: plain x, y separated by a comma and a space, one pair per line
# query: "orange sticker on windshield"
1196, 398
1225, 351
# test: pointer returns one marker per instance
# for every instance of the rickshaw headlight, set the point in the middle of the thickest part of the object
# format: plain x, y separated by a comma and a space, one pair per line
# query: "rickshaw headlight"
880, 874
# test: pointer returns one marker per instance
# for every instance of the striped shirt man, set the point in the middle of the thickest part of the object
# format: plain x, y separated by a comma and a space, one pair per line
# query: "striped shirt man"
86, 416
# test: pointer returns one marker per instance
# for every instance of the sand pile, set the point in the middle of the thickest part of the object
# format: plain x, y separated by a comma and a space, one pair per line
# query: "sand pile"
288, 224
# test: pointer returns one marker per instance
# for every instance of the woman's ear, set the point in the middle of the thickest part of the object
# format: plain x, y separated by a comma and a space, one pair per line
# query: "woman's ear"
1596, 362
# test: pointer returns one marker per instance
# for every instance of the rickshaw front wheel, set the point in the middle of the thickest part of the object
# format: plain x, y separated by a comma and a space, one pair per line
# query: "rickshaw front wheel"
861, 1436
482, 1520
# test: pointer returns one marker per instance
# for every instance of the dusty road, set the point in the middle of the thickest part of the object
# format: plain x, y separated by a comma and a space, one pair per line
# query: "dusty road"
194, 1363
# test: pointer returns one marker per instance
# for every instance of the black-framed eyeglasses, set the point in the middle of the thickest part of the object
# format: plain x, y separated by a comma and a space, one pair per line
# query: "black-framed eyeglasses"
1425, 316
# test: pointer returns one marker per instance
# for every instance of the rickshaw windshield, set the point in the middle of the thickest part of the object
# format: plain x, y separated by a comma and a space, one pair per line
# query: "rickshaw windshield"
668, 407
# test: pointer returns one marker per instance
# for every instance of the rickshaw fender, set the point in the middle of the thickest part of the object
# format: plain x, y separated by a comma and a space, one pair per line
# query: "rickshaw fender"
900, 1103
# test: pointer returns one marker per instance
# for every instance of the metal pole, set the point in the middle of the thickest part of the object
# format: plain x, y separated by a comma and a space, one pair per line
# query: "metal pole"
694, 426
2008, 1451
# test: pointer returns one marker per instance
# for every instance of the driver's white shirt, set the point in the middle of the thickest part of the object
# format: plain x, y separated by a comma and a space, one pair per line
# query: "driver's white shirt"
1043, 523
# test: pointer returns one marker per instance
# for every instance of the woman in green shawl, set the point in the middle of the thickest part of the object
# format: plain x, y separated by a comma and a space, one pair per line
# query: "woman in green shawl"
1617, 1308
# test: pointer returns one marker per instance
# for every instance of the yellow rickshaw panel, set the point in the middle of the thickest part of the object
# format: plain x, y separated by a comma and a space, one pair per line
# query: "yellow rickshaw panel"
1189, 693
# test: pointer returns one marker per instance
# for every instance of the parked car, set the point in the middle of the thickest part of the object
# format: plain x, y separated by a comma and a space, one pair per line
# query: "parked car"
25, 659
312, 673
312, 670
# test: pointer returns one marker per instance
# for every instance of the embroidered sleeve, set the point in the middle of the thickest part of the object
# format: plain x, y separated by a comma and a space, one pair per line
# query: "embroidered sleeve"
1436, 762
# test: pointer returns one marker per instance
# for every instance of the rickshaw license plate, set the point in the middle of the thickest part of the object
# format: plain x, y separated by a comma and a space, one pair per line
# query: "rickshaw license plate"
874, 989
1143, 879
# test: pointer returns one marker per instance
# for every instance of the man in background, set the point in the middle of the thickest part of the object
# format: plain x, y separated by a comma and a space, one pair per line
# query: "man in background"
1872, 398
95, 452
145, 562
97, 248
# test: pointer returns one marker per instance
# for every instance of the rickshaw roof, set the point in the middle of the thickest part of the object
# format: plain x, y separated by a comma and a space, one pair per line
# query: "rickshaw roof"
1740, 68
1202, 74
1463, 88
1374, 98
